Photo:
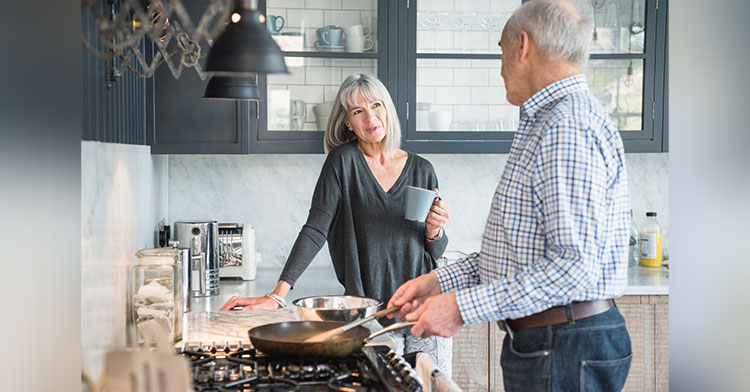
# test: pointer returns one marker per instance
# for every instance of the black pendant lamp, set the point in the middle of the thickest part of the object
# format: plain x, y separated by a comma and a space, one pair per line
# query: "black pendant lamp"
225, 87
245, 47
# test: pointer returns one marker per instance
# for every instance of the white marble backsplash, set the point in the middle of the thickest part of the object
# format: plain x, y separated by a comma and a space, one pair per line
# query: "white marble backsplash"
273, 193
123, 196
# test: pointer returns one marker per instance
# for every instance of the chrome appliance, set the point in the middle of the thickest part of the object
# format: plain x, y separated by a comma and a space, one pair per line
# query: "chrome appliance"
202, 240
237, 255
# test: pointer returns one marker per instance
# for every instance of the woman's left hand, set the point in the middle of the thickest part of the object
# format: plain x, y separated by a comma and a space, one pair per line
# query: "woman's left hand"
436, 218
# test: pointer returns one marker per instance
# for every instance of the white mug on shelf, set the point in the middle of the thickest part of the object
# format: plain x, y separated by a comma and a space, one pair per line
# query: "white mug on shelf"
322, 111
358, 44
440, 120
359, 30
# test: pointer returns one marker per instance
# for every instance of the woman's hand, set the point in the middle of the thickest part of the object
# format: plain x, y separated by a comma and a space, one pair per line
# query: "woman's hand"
436, 218
251, 303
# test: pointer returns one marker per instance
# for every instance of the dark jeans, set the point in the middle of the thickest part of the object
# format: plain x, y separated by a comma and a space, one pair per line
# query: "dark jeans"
591, 355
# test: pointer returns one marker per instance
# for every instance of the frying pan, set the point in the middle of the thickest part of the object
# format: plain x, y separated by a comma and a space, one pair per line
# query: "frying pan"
287, 339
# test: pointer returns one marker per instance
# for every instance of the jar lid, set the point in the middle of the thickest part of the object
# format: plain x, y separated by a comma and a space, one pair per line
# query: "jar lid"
650, 213
157, 255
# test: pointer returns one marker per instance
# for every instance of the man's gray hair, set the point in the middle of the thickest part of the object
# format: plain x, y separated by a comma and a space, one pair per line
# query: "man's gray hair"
559, 33
372, 89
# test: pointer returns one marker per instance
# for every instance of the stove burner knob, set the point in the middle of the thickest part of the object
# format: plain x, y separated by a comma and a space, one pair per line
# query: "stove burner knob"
203, 376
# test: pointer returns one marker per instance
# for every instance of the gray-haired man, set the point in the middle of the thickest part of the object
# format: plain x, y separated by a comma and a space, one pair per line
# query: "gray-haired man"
554, 250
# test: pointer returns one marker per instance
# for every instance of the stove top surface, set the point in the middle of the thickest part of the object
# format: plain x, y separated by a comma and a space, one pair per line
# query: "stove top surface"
239, 367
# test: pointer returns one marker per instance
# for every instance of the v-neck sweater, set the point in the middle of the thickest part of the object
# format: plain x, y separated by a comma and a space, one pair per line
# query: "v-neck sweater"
373, 248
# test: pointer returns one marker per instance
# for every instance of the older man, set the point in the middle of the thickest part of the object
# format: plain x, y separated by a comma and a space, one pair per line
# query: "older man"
554, 251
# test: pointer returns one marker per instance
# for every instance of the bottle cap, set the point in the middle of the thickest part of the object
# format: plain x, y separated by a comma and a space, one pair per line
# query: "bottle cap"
650, 213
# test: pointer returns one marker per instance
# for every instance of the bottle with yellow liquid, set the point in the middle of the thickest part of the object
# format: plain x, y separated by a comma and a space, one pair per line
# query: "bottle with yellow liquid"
650, 241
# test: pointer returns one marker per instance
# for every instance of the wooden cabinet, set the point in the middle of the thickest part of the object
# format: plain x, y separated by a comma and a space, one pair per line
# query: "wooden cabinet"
647, 318
477, 348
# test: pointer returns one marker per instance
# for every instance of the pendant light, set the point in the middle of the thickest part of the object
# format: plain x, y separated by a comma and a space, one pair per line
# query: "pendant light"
239, 88
245, 47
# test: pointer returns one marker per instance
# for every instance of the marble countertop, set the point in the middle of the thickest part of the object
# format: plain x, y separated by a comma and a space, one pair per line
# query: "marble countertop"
648, 281
205, 323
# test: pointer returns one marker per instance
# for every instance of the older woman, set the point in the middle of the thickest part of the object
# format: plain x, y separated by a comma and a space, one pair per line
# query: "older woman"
358, 207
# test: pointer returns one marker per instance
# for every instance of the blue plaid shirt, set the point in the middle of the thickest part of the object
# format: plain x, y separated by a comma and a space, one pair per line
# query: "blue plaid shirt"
558, 227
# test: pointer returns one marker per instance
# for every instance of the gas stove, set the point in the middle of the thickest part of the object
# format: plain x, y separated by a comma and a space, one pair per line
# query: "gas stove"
239, 367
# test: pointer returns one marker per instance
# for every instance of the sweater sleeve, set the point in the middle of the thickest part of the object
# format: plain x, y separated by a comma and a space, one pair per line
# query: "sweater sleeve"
312, 237
437, 248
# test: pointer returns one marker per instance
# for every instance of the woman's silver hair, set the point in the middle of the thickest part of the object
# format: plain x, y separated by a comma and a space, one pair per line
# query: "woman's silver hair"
559, 33
367, 85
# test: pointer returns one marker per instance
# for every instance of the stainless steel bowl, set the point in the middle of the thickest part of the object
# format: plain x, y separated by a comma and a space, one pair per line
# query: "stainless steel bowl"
345, 308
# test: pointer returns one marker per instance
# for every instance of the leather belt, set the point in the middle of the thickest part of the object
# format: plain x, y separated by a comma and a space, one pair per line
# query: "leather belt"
561, 314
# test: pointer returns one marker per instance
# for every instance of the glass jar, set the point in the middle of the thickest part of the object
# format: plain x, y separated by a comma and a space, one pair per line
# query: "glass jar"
651, 241
634, 254
156, 296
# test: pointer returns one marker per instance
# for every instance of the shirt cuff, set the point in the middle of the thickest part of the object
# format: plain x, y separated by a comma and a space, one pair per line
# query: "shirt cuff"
478, 304
449, 277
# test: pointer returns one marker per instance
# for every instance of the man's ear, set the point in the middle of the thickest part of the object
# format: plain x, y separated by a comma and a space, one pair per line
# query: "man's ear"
525, 45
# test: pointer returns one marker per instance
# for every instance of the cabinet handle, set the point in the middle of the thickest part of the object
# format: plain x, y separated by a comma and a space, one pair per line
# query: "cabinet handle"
257, 110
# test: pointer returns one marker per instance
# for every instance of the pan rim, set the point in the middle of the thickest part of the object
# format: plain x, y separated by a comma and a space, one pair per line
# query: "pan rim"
297, 302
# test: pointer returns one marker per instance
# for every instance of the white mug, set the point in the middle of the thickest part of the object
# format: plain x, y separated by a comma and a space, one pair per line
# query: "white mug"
440, 120
358, 43
357, 30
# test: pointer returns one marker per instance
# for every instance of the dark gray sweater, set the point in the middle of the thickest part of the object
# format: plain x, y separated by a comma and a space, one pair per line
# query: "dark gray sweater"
373, 248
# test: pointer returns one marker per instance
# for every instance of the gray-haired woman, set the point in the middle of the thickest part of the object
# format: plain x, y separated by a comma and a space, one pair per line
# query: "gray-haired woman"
358, 207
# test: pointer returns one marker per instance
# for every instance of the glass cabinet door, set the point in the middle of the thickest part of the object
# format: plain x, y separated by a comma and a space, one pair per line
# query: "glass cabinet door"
302, 100
619, 58
323, 42
324, 26
456, 96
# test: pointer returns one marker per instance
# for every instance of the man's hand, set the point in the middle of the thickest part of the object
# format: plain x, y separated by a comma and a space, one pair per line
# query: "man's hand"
438, 315
414, 292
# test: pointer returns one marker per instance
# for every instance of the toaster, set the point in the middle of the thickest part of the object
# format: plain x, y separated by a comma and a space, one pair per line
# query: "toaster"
237, 255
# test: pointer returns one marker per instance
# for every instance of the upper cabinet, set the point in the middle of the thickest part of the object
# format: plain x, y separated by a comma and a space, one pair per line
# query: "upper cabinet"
456, 97
439, 60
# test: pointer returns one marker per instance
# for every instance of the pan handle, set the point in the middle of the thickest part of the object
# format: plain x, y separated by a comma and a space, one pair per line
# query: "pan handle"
390, 328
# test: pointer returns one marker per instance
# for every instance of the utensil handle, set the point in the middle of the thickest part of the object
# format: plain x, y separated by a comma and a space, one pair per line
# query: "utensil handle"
390, 328
371, 317
386, 312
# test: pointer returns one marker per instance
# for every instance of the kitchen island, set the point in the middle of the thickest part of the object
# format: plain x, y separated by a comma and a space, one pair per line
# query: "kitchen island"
645, 307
